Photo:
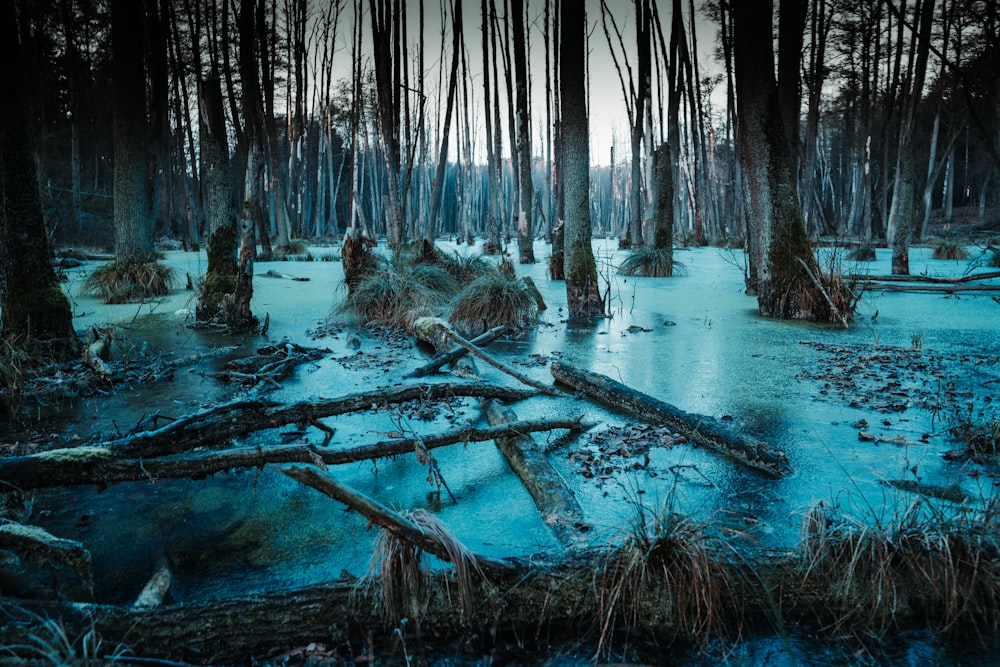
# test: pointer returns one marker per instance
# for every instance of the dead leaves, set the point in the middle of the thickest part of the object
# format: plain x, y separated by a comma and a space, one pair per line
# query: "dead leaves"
619, 449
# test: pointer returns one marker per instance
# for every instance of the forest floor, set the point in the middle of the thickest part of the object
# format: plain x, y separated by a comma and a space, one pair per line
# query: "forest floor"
898, 408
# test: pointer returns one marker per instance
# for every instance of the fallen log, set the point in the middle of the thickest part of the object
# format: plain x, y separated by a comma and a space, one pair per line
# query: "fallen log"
555, 501
929, 289
383, 516
40, 545
944, 280
215, 426
271, 273
702, 430
155, 590
100, 466
435, 331
455, 353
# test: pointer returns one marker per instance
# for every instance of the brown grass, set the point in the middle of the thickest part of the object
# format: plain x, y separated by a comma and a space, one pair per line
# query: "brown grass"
492, 300
124, 282
939, 564
400, 581
949, 249
670, 573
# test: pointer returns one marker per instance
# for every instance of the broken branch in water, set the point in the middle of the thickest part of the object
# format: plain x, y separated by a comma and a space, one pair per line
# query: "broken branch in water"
700, 429
436, 331
382, 515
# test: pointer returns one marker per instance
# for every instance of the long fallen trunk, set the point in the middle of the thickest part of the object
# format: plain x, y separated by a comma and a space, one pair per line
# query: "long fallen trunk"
702, 430
102, 466
555, 501
216, 425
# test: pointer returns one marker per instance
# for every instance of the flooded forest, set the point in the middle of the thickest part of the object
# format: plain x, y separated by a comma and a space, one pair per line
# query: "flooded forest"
455, 332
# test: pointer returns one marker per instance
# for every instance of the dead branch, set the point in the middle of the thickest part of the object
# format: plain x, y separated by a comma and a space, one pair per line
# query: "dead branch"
103, 466
382, 515
701, 429
455, 353
155, 590
434, 330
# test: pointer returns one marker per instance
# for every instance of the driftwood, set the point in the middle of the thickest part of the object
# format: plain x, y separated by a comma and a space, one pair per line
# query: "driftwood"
436, 332
102, 466
554, 499
155, 590
702, 430
383, 516
39, 544
271, 273
930, 284
455, 353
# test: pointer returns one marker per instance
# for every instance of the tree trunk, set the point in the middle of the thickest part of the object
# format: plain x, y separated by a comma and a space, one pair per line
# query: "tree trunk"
583, 295
132, 190
780, 247
36, 315
525, 228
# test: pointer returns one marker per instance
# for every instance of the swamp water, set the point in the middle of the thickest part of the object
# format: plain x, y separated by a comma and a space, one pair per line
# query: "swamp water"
694, 341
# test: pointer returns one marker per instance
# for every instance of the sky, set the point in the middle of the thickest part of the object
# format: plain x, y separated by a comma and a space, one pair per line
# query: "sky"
608, 113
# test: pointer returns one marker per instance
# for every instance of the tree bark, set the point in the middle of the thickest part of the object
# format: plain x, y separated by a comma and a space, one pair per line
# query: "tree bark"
133, 187
583, 296
35, 314
701, 429
525, 228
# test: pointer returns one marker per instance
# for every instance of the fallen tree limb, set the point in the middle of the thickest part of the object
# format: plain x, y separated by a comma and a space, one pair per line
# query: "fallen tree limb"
455, 353
930, 289
949, 280
215, 426
381, 515
434, 330
100, 466
555, 501
42, 546
271, 273
702, 430
155, 590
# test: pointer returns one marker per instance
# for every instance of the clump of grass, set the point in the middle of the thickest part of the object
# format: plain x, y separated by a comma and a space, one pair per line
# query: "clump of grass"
949, 249
939, 565
296, 248
862, 254
465, 268
398, 579
394, 292
46, 640
491, 300
671, 572
649, 262
122, 282
14, 363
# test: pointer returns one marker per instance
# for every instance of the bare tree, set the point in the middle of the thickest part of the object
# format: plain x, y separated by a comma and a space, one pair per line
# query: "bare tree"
583, 297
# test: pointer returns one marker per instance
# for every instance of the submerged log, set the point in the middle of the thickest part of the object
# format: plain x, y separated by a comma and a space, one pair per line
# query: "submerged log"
555, 501
702, 430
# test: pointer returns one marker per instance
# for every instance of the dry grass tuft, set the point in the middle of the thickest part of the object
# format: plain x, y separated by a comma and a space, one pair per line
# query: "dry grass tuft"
122, 282
862, 254
492, 300
401, 582
949, 249
395, 292
937, 564
649, 262
671, 572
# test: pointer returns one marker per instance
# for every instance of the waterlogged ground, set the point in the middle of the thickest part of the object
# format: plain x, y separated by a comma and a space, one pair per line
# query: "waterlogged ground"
863, 413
